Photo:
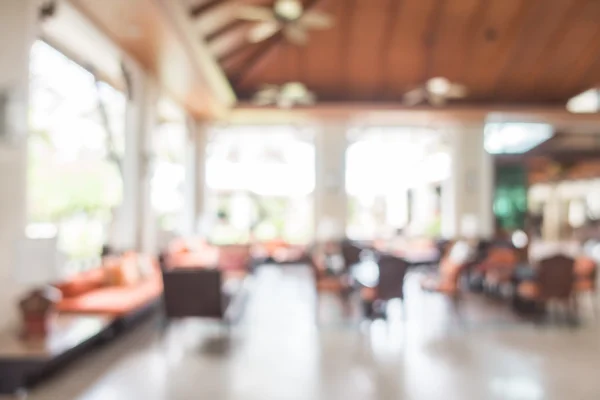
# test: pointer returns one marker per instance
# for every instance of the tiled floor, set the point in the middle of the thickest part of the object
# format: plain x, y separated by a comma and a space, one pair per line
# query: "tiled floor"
279, 353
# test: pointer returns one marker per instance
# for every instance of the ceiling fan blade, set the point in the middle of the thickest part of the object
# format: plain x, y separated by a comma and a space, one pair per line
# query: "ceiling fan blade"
316, 20
457, 91
258, 14
263, 31
289, 10
414, 97
261, 102
284, 102
307, 100
268, 94
295, 34
294, 89
436, 100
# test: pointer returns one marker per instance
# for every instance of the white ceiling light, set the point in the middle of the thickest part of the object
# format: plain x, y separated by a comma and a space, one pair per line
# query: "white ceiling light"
515, 137
586, 102
289, 10
438, 85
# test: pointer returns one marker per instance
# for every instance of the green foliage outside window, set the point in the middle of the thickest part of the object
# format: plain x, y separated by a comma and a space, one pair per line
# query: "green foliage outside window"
510, 197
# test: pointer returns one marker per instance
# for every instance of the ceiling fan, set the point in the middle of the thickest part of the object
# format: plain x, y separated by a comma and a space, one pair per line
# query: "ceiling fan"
287, 16
285, 96
436, 91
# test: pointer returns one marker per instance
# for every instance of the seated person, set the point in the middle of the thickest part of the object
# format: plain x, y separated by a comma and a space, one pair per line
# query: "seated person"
498, 266
451, 266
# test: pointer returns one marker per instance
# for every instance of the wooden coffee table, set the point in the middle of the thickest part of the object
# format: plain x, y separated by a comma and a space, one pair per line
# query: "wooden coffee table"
24, 362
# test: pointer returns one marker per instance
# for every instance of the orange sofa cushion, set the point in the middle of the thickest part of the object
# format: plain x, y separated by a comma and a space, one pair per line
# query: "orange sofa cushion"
178, 246
272, 246
115, 300
83, 283
123, 271
205, 259
234, 257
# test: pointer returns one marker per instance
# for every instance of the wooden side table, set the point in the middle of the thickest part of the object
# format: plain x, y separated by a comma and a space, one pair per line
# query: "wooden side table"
24, 362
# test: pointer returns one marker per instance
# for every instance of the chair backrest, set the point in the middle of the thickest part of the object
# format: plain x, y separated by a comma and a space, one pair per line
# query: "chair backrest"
193, 293
391, 277
502, 256
450, 273
556, 277
350, 253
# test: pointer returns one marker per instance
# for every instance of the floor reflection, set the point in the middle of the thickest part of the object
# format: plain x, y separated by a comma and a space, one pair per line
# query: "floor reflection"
280, 352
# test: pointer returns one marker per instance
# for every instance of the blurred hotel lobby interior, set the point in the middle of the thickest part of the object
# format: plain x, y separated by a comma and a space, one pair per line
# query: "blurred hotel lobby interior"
299, 199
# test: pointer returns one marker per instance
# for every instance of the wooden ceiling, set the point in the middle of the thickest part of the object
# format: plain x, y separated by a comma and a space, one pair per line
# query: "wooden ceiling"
155, 34
504, 51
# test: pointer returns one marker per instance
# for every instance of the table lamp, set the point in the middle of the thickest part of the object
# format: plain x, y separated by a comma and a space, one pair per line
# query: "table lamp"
38, 264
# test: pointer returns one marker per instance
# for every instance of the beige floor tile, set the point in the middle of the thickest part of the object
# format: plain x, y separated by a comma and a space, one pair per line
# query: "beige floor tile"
279, 353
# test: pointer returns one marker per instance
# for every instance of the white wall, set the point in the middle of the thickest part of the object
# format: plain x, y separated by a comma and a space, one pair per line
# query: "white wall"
17, 32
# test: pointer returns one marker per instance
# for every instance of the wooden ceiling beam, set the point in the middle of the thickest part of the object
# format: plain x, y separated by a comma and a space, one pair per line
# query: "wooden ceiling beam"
203, 8
234, 51
236, 23
258, 55
396, 113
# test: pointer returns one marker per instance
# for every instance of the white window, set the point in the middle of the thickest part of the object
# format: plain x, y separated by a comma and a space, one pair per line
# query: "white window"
73, 182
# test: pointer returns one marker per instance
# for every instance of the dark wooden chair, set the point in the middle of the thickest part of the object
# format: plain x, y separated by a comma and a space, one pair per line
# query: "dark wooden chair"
555, 281
201, 293
331, 280
322, 254
497, 268
448, 280
392, 271
350, 253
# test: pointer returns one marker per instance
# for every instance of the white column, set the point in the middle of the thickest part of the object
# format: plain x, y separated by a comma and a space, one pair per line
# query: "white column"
195, 179
331, 201
423, 206
17, 33
131, 223
467, 195
556, 213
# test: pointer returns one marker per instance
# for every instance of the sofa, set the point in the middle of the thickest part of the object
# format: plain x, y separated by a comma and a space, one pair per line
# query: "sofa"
203, 293
186, 253
123, 287
194, 252
281, 252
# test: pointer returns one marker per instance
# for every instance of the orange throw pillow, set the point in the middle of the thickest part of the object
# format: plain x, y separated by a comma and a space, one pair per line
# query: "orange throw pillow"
83, 283
123, 271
